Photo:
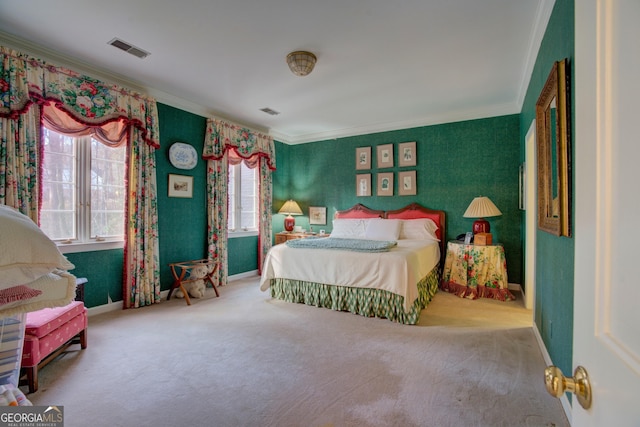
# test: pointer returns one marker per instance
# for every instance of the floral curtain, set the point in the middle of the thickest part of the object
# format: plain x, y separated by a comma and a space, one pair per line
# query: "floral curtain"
227, 143
31, 91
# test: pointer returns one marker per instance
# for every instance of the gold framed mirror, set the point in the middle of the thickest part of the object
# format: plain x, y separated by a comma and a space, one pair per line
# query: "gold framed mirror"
553, 142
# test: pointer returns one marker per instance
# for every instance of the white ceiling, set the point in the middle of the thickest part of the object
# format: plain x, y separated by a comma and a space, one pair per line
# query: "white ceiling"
382, 65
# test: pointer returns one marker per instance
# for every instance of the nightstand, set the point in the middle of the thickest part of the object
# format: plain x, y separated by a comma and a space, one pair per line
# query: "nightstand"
473, 271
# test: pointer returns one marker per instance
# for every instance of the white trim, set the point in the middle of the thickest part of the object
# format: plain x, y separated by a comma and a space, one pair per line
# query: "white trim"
117, 305
515, 287
445, 117
541, 20
240, 276
531, 217
564, 400
241, 233
72, 248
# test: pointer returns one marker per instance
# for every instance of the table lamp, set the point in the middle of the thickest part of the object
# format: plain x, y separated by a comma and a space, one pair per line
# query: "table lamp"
290, 208
481, 207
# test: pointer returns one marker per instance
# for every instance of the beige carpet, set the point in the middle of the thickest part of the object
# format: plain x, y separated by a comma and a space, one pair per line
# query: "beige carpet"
246, 360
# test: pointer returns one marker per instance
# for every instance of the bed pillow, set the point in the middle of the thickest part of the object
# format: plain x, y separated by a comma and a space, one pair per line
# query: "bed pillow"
26, 253
383, 229
348, 228
421, 228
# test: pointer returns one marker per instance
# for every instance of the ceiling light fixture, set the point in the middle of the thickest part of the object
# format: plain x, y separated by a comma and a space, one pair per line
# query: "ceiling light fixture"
301, 62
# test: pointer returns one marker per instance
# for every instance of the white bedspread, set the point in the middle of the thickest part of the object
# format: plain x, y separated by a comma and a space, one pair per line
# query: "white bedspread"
397, 271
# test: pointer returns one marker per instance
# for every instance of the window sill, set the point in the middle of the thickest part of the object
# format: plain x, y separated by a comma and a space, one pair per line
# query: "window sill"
236, 234
70, 248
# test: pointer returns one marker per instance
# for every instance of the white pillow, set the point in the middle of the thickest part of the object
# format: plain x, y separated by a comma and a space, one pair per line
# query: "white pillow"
422, 229
26, 253
383, 229
348, 228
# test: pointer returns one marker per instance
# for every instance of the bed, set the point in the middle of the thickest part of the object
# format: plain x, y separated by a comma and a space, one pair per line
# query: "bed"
395, 279
33, 272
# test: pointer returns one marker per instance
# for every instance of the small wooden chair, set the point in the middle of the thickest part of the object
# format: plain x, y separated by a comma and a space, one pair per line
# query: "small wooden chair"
180, 270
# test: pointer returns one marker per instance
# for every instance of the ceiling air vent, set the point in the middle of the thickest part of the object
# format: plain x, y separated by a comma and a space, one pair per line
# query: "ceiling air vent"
269, 111
129, 48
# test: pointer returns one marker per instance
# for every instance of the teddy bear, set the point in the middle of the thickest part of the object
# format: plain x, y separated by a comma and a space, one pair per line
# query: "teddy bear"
195, 282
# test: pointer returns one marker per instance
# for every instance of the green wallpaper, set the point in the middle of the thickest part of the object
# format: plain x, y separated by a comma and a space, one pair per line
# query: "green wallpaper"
554, 255
456, 162
182, 222
103, 269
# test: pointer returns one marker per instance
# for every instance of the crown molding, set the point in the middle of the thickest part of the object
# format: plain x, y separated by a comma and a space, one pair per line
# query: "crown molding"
541, 20
79, 66
447, 117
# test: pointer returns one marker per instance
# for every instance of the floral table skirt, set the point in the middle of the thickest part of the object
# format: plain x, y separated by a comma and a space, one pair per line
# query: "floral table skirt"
472, 271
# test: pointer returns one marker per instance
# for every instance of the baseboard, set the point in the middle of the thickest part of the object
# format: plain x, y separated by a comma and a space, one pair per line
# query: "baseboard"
104, 308
117, 305
564, 400
515, 287
240, 276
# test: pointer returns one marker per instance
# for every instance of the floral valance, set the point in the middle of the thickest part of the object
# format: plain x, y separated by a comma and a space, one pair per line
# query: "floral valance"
25, 80
239, 141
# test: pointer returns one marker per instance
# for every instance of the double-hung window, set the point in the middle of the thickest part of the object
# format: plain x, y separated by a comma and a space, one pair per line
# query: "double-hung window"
83, 192
243, 200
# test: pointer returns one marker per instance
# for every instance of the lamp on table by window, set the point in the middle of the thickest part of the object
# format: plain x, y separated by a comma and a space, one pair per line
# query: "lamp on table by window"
481, 207
289, 208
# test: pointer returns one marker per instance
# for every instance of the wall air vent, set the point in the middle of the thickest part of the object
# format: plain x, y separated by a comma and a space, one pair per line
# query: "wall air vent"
269, 111
129, 48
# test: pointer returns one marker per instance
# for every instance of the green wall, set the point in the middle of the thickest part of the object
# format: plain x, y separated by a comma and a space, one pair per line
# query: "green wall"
182, 222
103, 269
554, 255
456, 162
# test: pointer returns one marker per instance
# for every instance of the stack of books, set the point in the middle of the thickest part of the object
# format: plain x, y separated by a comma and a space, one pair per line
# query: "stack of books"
11, 340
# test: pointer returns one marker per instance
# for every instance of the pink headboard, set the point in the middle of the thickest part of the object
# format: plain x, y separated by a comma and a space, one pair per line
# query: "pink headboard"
412, 211
415, 211
359, 211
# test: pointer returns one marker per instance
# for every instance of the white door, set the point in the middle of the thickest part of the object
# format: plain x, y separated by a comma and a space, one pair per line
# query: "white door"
607, 211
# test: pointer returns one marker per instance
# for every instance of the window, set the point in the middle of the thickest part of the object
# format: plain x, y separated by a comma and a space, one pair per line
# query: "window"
83, 189
243, 198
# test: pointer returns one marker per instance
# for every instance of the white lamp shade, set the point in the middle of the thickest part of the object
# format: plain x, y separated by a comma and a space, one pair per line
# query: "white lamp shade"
481, 207
290, 207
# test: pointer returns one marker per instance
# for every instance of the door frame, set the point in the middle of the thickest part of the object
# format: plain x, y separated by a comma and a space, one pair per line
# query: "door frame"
530, 220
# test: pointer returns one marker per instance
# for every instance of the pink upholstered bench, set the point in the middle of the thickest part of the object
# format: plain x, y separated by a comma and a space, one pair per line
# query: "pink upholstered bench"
48, 332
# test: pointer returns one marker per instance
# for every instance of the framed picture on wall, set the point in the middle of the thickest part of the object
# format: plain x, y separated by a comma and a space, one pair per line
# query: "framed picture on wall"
407, 155
180, 186
317, 215
385, 184
385, 156
407, 183
363, 184
363, 158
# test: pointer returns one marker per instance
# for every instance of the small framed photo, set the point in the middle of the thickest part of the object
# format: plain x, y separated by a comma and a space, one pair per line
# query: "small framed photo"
180, 186
385, 184
468, 238
363, 158
407, 183
385, 156
407, 155
317, 215
363, 184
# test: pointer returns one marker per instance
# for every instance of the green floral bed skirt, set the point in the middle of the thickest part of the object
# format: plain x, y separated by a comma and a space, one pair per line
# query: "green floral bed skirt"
362, 301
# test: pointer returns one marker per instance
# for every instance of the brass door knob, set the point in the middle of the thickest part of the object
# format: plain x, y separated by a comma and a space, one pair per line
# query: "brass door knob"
557, 384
